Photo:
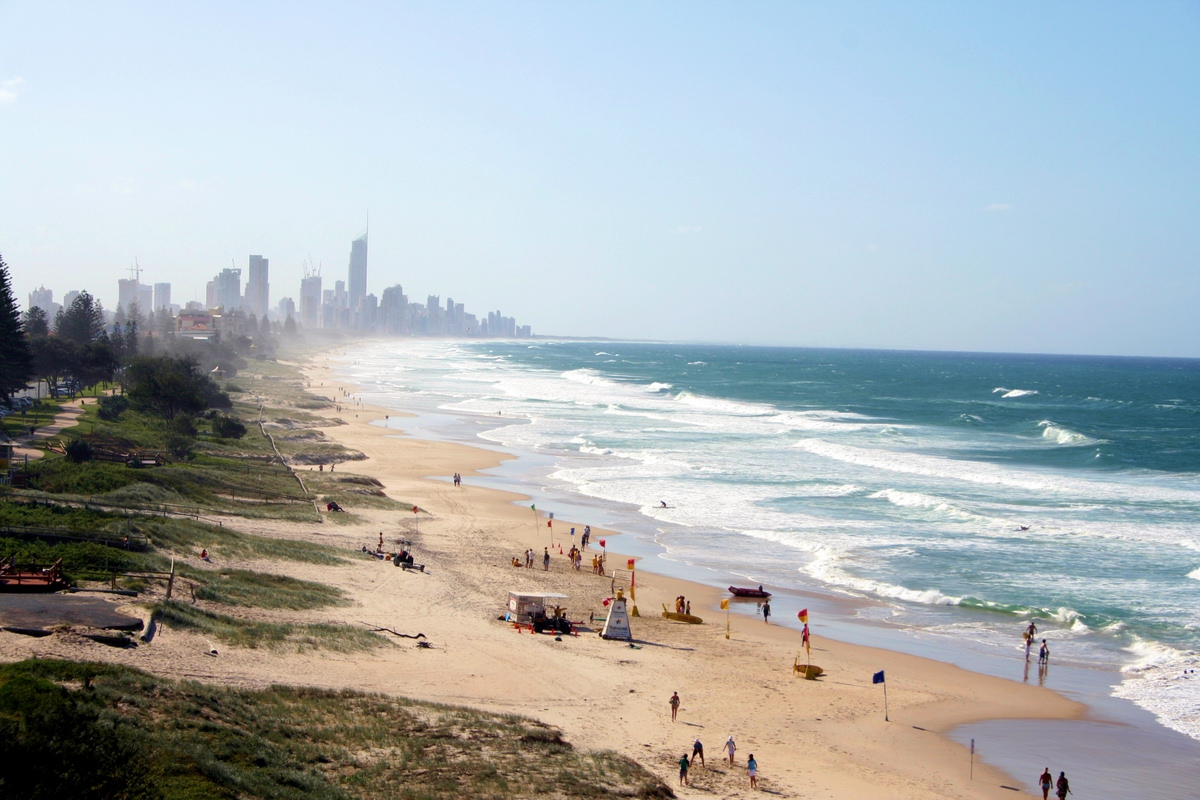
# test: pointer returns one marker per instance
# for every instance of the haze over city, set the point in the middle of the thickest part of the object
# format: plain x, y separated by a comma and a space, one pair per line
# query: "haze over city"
1002, 178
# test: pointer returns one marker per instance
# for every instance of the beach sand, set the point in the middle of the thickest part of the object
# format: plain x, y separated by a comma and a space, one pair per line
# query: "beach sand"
825, 738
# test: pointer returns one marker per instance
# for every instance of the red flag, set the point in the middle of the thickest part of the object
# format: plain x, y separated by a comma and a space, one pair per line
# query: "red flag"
549, 523
602, 543
415, 509
803, 615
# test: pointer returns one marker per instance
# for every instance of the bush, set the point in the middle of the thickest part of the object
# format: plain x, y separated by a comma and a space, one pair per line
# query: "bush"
112, 406
228, 427
79, 451
179, 446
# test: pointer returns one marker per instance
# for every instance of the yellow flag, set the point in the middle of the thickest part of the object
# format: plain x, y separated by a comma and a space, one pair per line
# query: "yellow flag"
725, 604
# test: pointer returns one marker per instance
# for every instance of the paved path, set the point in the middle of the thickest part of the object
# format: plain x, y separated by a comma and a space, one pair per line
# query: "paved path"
68, 417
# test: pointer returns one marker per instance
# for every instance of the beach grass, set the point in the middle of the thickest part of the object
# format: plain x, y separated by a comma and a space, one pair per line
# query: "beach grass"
257, 634
239, 587
183, 740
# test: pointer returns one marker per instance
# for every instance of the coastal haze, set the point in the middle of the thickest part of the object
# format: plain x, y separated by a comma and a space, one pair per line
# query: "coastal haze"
1009, 178
948, 256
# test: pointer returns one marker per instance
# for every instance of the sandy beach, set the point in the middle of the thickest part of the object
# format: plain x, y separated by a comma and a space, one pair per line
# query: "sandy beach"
825, 738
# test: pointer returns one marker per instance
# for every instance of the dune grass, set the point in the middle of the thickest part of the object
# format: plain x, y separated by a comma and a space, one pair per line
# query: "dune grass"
166, 739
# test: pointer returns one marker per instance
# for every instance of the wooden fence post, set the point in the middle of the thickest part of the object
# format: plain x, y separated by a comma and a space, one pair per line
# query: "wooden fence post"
171, 580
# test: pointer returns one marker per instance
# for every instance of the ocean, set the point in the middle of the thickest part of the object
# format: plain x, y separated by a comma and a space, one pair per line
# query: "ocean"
949, 497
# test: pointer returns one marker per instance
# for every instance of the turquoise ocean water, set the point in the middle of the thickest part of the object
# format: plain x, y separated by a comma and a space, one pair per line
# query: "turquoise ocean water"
955, 495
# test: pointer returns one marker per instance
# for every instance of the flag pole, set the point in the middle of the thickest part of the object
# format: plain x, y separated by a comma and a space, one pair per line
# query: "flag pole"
885, 707
972, 759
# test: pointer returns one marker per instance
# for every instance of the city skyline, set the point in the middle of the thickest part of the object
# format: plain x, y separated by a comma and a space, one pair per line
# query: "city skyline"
1015, 178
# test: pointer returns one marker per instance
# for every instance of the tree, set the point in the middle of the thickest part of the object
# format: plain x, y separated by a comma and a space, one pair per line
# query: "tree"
16, 359
167, 386
36, 322
83, 322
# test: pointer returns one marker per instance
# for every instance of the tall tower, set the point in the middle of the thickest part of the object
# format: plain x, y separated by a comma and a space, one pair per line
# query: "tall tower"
358, 271
258, 287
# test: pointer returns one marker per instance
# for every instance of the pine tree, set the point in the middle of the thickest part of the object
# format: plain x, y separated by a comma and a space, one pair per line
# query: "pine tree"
16, 359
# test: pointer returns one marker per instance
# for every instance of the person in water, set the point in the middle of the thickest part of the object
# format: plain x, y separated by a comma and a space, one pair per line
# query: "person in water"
662, 503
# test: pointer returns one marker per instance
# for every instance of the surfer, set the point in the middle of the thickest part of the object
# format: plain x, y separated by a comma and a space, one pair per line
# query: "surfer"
1022, 527
662, 503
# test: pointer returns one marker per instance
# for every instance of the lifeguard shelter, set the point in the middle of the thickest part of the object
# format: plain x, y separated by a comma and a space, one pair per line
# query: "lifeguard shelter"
524, 606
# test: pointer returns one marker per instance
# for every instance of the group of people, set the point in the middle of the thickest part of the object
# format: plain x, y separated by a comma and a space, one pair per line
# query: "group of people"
730, 747
457, 479
1061, 788
683, 605
1043, 651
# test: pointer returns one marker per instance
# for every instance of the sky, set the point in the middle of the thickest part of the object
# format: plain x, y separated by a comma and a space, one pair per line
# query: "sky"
1006, 177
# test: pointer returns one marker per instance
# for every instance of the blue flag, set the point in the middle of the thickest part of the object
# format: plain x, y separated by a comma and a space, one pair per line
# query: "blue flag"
877, 677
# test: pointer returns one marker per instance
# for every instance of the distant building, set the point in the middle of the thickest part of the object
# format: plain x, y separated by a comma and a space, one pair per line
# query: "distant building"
310, 302
195, 325
287, 308
228, 288
358, 272
258, 287
127, 293
43, 298
162, 296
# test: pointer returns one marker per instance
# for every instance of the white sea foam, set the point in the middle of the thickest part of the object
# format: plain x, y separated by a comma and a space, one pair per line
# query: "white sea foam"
1195, 574
917, 500
1065, 436
1013, 392
697, 363
658, 387
825, 569
1166, 682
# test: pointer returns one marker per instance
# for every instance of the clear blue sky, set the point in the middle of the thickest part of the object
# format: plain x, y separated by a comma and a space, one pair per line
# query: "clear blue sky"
964, 176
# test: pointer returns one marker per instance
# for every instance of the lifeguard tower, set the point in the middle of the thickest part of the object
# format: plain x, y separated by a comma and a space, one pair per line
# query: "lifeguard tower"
617, 624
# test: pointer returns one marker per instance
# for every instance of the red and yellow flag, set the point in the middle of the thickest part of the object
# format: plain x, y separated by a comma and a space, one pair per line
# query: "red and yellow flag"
803, 615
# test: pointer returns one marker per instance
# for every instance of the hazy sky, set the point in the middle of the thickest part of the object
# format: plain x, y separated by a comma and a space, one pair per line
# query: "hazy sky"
962, 176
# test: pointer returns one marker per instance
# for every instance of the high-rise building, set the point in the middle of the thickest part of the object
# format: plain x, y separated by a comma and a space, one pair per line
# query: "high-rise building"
258, 287
358, 271
145, 299
43, 298
162, 296
127, 293
310, 301
228, 289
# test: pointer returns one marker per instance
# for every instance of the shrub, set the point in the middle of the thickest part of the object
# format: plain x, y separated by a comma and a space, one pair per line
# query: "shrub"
228, 427
112, 406
79, 451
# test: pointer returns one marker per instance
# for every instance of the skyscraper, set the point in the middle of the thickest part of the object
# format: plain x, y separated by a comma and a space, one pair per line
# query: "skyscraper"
162, 296
358, 271
310, 301
258, 287
229, 289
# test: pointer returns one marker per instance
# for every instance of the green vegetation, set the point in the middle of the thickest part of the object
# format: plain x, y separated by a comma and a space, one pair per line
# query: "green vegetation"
254, 634
136, 736
239, 587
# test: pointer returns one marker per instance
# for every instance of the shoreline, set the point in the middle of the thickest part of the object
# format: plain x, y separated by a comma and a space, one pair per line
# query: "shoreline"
939, 707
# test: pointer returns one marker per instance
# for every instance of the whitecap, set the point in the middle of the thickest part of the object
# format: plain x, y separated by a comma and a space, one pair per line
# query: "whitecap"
658, 387
1064, 436
1166, 682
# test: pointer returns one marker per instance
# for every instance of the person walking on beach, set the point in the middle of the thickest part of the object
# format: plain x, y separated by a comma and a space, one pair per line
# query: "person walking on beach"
698, 750
1046, 780
1028, 645
546, 559
767, 612
1044, 653
752, 771
731, 748
674, 702
1063, 786
683, 768
587, 535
